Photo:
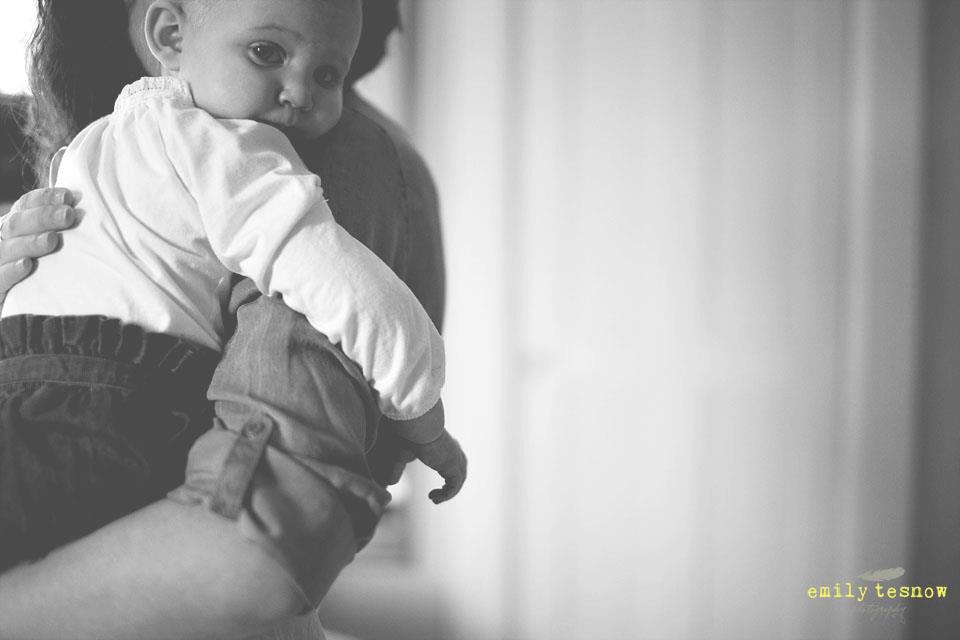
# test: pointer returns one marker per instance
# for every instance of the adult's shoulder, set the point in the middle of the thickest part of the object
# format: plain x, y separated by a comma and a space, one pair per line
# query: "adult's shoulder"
360, 170
411, 162
381, 191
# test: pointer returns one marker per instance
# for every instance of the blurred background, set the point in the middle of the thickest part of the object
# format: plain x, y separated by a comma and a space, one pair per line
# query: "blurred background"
703, 300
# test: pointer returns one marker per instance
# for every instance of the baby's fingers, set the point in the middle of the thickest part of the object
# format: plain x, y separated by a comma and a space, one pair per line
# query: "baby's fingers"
454, 478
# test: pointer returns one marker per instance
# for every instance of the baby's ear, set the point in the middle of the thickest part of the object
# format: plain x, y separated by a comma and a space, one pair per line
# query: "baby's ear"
163, 29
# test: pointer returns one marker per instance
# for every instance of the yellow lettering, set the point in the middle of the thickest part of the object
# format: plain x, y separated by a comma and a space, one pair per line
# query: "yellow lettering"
941, 592
812, 592
892, 592
824, 592
928, 592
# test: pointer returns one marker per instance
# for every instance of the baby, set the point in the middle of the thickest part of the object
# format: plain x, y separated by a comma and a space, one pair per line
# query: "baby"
104, 350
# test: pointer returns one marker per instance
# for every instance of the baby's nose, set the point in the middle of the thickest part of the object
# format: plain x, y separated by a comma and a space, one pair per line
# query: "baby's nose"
297, 95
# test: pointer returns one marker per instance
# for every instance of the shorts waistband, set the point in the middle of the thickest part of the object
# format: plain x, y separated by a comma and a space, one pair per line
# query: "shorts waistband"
86, 348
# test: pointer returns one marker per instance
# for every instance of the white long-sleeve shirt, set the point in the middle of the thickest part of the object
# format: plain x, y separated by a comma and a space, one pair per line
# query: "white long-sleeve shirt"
172, 200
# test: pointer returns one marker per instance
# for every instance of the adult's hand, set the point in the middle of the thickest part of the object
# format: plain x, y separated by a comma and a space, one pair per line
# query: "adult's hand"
31, 230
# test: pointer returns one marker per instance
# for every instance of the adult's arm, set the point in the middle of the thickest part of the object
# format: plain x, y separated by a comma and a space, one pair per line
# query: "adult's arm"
167, 571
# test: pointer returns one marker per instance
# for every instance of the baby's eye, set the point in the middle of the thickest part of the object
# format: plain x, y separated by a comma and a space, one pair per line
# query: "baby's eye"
267, 53
327, 77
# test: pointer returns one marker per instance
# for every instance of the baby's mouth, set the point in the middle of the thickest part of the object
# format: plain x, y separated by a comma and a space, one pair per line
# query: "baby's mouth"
292, 133
283, 124
288, 119
282, 120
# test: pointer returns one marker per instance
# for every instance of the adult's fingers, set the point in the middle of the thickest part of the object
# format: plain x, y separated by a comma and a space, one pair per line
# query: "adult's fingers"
44, 197
31, 246
12, 273
36, 219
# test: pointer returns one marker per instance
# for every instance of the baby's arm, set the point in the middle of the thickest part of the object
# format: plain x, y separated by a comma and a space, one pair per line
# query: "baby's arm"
435, 447
264, 215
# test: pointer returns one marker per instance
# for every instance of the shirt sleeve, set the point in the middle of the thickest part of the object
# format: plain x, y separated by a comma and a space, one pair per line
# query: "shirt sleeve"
265, 218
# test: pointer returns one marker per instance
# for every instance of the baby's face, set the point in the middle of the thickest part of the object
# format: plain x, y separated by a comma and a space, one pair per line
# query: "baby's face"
281, 62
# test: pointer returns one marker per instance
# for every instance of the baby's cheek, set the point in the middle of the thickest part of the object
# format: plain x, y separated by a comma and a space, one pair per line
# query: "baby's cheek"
320, 125
330, 115
242, 97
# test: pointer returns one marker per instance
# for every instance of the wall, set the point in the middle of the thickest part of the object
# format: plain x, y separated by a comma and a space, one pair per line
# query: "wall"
683, 250
936, 552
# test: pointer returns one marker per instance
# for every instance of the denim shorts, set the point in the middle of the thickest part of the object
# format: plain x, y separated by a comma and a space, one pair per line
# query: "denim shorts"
96, 420
286, 456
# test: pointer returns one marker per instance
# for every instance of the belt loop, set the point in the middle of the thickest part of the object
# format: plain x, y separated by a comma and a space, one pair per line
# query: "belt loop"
239, 467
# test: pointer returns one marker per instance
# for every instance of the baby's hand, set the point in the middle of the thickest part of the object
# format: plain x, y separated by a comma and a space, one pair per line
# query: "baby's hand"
427, 438
444, 456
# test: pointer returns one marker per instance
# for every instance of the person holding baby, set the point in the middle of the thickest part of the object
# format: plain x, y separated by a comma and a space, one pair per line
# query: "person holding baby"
192, 178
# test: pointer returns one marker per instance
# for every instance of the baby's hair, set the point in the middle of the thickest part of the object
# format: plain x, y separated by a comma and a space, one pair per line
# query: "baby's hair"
80, 58
198, 9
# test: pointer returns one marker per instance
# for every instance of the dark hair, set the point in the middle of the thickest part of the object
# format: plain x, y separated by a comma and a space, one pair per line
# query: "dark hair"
15, 175
380, 19
80, 59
